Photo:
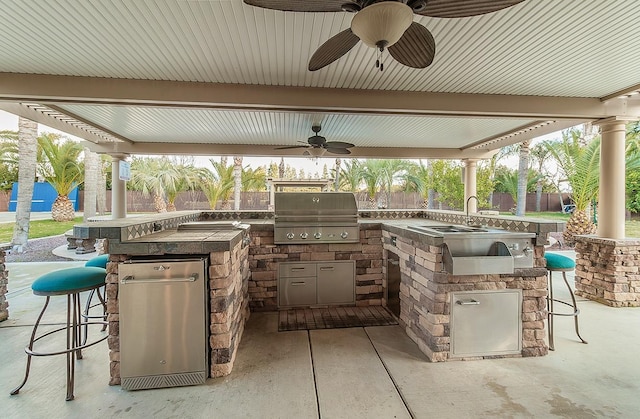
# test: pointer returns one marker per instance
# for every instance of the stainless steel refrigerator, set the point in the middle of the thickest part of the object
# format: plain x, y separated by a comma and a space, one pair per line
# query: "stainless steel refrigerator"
163, 323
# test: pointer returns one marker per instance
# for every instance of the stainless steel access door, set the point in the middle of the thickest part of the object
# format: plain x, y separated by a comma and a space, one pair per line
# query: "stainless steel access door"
486, 323
162, 323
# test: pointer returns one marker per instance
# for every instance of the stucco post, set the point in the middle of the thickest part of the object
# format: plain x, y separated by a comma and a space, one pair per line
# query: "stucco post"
118, 189
611, 202
470, 188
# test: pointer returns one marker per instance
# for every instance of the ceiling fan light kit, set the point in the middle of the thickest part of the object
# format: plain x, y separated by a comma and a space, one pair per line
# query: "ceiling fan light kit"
383, 22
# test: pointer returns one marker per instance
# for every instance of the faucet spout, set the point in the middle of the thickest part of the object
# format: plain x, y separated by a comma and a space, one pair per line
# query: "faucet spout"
468, 219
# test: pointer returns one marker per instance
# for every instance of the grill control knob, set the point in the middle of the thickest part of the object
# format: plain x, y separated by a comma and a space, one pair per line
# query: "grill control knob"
304, 235
290, 236
317, 235
344, 234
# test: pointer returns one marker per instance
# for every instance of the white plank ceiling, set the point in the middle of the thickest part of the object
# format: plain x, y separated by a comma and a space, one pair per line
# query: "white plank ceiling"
539, 48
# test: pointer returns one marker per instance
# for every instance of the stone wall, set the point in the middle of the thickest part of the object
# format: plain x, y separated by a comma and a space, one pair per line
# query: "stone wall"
4, 280
608, 271
228, 287
264, 257
425, 294
229, 308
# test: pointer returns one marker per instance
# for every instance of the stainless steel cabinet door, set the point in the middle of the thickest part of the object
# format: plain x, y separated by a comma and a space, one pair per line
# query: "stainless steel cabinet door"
162, 318
297, 291
486, 323
336, 282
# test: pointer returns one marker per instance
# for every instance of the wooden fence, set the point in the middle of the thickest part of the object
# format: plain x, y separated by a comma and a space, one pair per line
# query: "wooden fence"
137, 202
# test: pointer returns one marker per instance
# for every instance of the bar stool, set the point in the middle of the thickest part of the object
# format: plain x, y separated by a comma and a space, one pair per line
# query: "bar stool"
70, 282
99, 262
560, 263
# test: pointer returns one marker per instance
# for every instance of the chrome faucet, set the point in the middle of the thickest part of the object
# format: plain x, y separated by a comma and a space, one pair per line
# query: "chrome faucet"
468, 219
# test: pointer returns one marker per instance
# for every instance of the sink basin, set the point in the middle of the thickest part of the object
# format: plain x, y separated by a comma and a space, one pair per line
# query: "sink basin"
212, 226
439, 229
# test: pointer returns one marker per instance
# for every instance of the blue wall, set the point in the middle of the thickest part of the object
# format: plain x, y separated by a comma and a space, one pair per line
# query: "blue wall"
43, 197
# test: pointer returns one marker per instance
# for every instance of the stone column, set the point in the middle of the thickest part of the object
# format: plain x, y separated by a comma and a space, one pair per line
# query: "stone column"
611, 202
118, 189
470, 166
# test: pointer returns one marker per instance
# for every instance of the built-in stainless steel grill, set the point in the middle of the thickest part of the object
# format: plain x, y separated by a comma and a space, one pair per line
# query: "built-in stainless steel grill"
322, 217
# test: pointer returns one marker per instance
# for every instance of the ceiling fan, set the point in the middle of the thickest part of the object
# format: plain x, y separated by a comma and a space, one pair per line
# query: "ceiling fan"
385, 24
318, 145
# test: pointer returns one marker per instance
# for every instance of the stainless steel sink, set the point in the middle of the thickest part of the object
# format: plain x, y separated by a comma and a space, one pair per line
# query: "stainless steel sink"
476, 250
439, 229
212, 226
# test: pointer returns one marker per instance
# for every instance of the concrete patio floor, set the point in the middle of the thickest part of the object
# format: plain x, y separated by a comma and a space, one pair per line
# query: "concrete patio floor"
373, 372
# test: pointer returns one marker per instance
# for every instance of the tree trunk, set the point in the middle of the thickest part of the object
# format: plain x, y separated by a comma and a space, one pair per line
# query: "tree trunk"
62, 209
337, 179
27, 148
91, 175
237, 187
159, 203
523, 169
538, 195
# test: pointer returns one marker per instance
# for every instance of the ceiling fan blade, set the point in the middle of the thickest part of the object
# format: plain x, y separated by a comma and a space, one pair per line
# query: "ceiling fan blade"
464, 8
338, 144
291, 146
338, 150
299, 5
416, 48
334, 48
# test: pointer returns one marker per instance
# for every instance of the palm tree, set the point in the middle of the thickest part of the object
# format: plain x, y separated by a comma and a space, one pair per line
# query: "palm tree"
372, 173
254, 179
540, 154
61, 167
237, 176
144, 179
27, 151
509, 181
218, 185
418, 178
523, 171
580, 165
350, 176
8, 159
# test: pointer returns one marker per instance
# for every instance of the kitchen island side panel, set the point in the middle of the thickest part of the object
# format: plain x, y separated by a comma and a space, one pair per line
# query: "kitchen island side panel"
229, 309
425, 291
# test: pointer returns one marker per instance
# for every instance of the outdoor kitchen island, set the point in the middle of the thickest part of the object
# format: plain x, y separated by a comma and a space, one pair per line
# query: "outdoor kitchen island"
243, 278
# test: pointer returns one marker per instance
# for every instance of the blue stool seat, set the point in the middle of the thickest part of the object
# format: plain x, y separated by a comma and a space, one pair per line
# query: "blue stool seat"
564, 264
556, 262
70, 282
99, 261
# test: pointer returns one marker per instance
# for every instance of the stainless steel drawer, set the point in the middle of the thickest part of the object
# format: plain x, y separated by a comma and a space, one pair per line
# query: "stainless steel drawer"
294, 269
297, 291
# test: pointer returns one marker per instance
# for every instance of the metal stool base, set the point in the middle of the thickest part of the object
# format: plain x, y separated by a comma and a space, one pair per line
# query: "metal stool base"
73, 349
551, 313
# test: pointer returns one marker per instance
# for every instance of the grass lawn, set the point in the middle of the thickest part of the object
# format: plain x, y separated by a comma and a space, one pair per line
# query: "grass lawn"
38, 228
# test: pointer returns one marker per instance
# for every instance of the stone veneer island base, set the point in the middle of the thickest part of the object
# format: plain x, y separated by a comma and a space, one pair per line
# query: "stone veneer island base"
425, 291
244, 277
608, 271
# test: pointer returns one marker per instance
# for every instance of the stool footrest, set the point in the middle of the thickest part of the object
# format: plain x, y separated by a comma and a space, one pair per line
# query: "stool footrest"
64, 351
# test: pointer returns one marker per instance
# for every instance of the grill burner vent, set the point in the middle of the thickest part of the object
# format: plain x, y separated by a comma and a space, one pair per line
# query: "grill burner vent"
322, 217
